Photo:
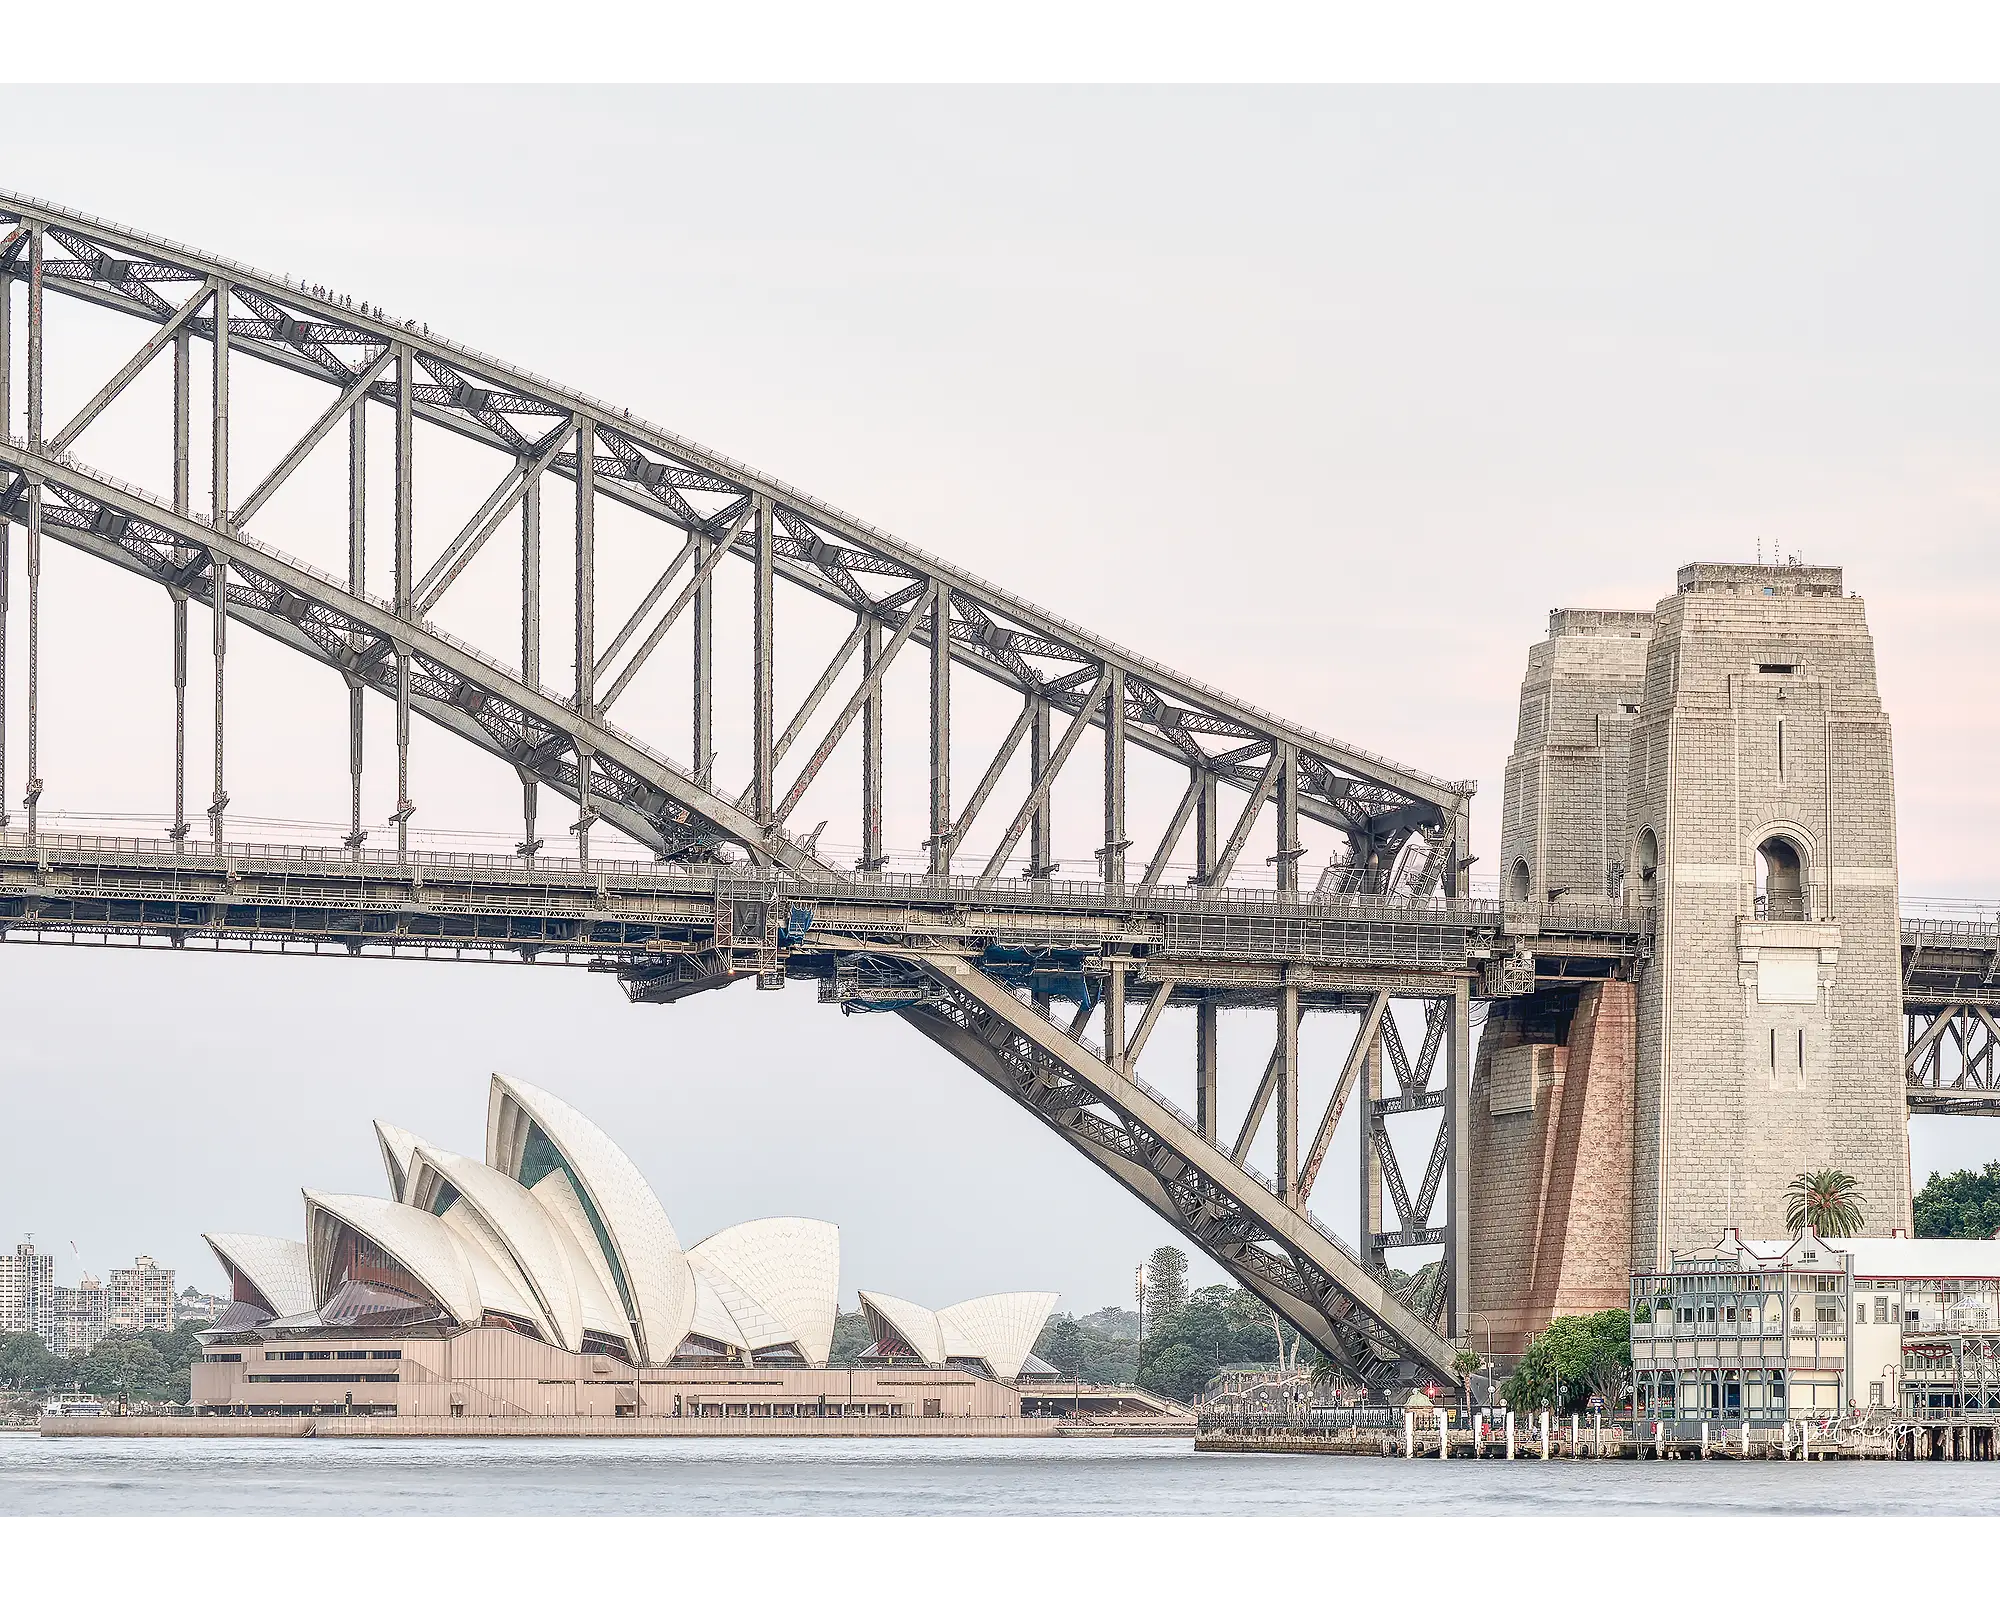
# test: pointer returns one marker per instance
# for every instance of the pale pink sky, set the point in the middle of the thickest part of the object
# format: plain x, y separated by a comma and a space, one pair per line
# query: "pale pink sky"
1325, 397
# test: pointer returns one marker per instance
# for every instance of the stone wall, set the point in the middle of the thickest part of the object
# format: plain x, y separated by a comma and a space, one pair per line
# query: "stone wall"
1551, 1158
1766, 1045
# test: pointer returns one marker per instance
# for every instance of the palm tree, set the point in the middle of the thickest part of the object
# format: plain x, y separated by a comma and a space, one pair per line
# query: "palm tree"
1824, 1201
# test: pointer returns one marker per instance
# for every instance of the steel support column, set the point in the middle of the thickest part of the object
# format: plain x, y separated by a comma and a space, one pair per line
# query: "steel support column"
1114, 1018
33, 797
1457, 1187
872, 859
357, 584
703, 665
1112, 854
1287, 857
586, 623
1288, 1093
531, 642
941, 841
1041, 826
762, 648
1369, 1216
183, 426
405, 535
218, 566
1207, 1058
6, 524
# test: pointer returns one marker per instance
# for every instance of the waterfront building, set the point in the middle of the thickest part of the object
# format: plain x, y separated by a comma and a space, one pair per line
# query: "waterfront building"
82, 1317
547, 1281
142, 1295
27, 1299
1764, 1331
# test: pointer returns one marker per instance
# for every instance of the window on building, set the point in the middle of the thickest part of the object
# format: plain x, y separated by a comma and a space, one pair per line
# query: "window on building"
1861, 1311
1781, 889
1881, 1308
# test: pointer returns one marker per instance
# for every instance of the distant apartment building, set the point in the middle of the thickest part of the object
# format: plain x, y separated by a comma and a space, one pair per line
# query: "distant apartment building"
82, 1317
142, 1295
27, 1298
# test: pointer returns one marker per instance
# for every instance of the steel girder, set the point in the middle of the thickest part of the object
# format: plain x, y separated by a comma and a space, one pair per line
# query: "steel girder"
1951, 1059
1274, 1248
1405, 833
1377, 804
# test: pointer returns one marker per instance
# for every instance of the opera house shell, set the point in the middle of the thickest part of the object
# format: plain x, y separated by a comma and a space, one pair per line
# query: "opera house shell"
547, 1280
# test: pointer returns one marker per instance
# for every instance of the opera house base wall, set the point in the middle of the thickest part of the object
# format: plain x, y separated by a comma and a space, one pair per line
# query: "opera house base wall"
809, 1427
495, 1373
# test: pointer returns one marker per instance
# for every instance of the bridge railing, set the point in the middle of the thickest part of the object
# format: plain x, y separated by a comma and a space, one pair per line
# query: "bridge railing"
631, 875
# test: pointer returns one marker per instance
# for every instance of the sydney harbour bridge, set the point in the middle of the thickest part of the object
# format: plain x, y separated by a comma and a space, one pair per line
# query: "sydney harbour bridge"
1049, 985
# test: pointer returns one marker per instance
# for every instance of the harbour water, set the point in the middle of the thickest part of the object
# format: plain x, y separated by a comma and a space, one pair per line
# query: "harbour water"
916, 1477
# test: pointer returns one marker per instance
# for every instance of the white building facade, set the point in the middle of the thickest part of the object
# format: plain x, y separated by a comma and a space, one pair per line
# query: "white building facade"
27, 1292
1767, 1331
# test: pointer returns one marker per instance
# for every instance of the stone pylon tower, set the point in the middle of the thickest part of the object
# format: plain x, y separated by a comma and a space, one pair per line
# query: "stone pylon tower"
1724, 762
1763, 835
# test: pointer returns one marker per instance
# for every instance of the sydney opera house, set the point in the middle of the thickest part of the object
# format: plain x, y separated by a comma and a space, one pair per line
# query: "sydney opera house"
546, 1281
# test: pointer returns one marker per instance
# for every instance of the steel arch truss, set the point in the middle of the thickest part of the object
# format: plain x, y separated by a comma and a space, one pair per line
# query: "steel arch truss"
891, 592
1241, 773
1951, 1059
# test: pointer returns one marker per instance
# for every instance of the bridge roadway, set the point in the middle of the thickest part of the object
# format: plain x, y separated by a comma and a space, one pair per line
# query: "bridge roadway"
669, 931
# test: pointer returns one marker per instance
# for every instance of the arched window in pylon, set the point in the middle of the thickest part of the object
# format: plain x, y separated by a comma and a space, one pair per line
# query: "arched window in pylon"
1781, 880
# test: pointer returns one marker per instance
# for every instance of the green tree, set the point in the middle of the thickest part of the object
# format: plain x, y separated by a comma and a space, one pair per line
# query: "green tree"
129, 1365
1465, 1363
1180, 1372
1563, 1364
1219, 1328
1085, 1353
25, 1363
1166, 1284
1826, 1201
1960, 1205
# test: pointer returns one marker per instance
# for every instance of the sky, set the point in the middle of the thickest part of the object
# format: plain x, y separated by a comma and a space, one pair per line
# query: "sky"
1325, 396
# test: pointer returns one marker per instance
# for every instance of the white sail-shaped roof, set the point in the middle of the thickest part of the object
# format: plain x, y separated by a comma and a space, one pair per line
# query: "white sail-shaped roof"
909, 1322
711, 1316
597, 1294
398, 1146
529, 1132
278, 1269
523, 1232
999, 1329
415, 1240
787, 1266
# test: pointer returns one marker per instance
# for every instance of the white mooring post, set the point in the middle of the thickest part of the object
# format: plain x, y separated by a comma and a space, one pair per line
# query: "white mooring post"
1545, 1432
1510, 1436
1444, 1437
1478, 1434
1704, 1441
1659, 1429
1409, 1434
1746, 1441
1573, 1425
1597, 1434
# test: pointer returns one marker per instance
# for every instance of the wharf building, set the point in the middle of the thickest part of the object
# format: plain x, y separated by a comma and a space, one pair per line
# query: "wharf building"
1768, 1331
1722, 761
547, 1281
